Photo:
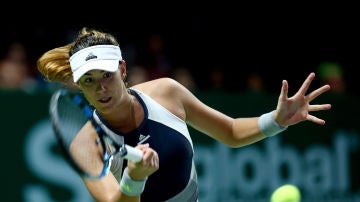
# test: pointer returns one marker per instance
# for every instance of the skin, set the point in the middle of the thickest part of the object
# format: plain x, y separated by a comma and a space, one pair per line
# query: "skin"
107, 92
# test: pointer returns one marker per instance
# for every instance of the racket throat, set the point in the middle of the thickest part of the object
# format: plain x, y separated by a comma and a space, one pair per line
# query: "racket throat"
123, 151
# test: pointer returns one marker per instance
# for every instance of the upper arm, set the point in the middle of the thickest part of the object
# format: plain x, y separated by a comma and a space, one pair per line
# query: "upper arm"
197, 114
206, 119
233, 132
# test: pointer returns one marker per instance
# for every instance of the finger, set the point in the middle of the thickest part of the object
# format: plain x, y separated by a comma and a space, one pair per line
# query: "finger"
315, 119
151, 159
154, 161
142, 146
284, 90
147, 153
318, 92
319, 107
305, 86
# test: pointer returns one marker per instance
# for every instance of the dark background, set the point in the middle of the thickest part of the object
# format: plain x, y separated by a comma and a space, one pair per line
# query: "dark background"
280, 41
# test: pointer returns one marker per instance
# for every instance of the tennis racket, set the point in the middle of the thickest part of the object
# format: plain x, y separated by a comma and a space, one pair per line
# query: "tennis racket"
69, 112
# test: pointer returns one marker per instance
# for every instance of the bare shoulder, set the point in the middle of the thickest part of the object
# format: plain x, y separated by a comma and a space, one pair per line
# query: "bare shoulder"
162, 87
167, 92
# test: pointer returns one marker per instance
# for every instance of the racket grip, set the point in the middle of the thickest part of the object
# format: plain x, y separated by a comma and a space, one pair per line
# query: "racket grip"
133, 153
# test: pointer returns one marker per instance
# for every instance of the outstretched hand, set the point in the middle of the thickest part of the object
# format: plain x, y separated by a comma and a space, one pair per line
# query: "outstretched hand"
290, 111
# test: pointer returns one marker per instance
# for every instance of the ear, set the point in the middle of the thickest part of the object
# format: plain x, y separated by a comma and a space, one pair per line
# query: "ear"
123, 69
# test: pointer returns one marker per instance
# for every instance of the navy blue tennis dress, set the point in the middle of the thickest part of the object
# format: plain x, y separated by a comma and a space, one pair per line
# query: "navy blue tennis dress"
168, 135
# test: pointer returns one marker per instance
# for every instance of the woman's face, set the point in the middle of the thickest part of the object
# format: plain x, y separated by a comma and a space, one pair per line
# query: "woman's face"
102, 89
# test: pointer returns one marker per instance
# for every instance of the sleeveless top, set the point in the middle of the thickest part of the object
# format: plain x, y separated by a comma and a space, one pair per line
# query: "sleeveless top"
168, 135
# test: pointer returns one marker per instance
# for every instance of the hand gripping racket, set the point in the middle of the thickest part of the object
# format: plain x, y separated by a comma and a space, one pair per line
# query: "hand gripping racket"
69, 112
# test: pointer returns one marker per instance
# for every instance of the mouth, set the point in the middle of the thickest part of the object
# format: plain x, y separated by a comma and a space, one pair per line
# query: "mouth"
105, 100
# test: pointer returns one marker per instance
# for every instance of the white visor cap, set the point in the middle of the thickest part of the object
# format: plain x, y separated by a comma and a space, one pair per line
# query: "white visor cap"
99, 57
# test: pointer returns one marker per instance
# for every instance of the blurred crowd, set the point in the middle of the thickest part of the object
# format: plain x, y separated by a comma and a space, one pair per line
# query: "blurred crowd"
16, 69
151, 60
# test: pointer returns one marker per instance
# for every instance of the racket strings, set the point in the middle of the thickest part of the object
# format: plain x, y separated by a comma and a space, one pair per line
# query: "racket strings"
69, 113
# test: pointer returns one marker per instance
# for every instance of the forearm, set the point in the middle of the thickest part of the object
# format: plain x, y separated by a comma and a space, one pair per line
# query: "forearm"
245, 131
233, 132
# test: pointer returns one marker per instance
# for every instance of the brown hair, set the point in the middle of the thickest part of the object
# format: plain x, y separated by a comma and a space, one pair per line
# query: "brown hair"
54, 64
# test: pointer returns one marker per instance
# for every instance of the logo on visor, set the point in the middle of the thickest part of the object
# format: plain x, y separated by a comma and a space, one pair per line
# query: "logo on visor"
90, 56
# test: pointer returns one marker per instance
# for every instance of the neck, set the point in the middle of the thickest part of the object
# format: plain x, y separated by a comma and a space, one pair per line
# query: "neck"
128, 117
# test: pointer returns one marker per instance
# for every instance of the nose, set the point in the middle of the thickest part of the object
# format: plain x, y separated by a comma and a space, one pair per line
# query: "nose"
101, 85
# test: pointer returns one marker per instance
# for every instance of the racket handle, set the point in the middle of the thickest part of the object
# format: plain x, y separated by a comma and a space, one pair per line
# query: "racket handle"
133, 153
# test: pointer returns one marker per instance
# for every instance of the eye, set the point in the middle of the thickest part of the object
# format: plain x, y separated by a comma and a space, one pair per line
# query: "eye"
108, 75
88, 80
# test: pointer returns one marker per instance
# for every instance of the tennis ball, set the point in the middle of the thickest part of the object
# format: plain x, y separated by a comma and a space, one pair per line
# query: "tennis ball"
286, 193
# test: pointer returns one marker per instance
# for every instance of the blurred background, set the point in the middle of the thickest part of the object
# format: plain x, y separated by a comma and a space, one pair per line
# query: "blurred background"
232, 57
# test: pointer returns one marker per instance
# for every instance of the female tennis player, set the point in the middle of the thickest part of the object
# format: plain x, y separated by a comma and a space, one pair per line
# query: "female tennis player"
153, 116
